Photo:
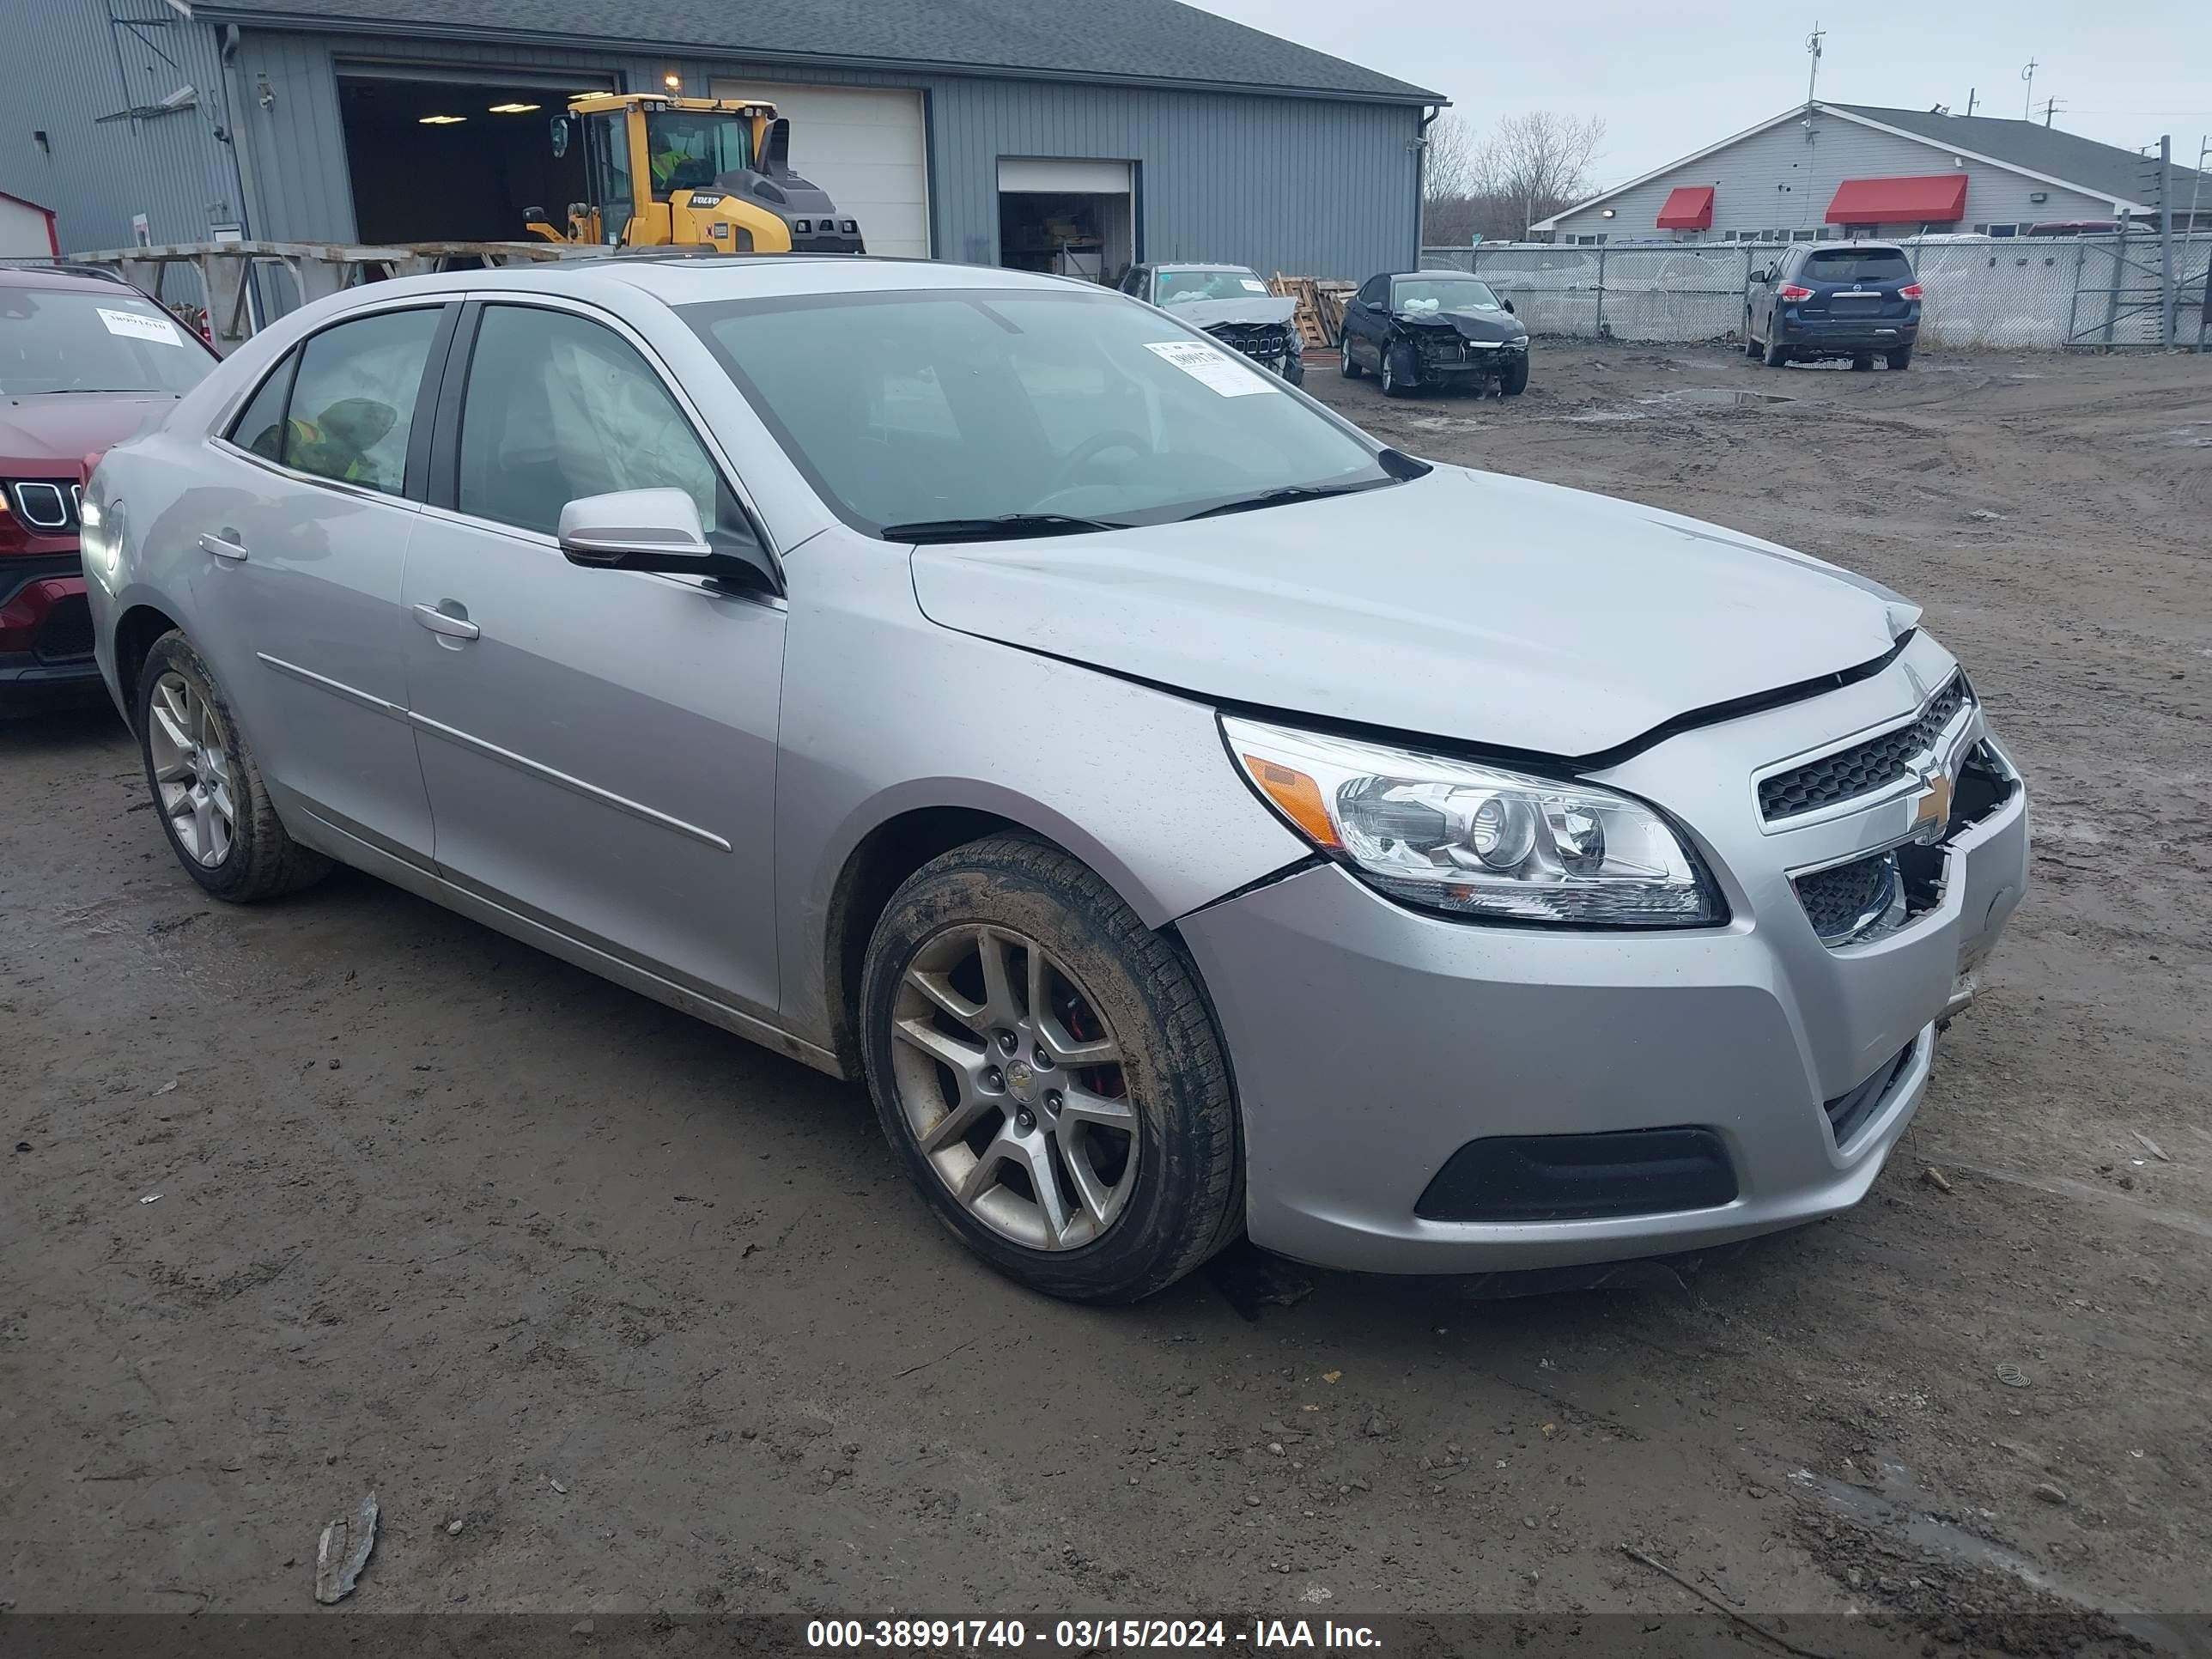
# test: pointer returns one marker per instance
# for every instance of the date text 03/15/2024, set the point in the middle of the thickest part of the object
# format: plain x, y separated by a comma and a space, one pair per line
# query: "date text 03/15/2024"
1087, 1635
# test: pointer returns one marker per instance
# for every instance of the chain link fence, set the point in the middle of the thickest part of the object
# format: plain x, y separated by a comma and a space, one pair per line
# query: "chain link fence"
2014, 292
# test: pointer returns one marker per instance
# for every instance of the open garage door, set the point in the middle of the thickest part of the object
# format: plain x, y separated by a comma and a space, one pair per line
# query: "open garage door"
433, 157
867, 146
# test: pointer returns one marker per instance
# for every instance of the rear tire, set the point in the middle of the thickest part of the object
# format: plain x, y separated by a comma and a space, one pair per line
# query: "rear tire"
1775, 355
1901, 358
1862, 362
207, 787
1345, 366
983, 1096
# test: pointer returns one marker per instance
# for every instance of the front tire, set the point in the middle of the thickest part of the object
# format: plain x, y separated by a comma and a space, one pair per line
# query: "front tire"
1751, 347
1514, 381
207, 787
1400, 375
1046, 1068
1345, 366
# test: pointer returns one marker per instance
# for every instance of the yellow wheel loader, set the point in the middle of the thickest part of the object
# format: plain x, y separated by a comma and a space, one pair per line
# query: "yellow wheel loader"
691, 172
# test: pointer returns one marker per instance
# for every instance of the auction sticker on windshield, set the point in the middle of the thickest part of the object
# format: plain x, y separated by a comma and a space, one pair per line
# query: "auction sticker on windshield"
1226, 375
133, 326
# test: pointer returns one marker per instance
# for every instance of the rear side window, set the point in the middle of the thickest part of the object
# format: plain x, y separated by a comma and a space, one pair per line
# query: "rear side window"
1853, 264
260, 425
354, 400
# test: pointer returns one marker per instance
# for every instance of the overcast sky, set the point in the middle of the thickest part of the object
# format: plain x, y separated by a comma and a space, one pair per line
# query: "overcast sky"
1671, 78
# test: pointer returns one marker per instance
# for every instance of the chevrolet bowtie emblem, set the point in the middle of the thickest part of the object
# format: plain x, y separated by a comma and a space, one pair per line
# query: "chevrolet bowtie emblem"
1932, 811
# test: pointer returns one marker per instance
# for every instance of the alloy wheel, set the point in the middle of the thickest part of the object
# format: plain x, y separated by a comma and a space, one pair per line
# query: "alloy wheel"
192, 771
1013, 1086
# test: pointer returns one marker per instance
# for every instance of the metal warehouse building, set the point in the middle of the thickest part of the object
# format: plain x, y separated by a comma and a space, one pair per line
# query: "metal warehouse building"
1081, 135
1843, 169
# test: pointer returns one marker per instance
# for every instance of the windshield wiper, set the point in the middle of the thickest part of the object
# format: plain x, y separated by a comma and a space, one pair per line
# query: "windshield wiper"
1279, 497
1006, 527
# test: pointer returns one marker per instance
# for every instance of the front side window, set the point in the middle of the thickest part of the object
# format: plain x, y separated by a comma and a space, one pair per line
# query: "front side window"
690, 149
80, 339
916, 408
1376, 293
559, 408
353, 402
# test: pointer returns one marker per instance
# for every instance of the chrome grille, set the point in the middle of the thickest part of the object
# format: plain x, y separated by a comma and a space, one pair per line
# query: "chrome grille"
1863, 767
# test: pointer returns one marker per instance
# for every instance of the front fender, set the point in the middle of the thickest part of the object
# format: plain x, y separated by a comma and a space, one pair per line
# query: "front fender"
885, 712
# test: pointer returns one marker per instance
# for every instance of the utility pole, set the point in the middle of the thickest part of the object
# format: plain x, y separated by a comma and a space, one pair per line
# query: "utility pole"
2204, 151
2166, 236
1812, 45
2028, 104
2050, 109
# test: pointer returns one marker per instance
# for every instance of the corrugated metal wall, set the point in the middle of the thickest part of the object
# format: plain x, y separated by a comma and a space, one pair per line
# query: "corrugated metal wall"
66, 63
1298, 186
1775, 180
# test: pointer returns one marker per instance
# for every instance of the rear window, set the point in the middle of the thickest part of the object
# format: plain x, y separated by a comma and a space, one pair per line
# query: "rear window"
72, 339
1858, 265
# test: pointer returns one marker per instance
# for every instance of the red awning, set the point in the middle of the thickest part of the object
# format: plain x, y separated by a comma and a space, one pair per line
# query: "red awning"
1933, 199
1689, 207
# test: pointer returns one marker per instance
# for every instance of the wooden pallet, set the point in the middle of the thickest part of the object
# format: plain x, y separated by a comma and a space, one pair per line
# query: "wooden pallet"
1320, 313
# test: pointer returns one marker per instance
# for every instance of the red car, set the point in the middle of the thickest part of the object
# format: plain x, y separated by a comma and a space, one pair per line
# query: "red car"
85, 362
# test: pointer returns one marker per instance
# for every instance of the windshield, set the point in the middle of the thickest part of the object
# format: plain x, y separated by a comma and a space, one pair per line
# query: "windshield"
915, 407
689, 150
1181, 288
69, 339
1444, 293
1858, 265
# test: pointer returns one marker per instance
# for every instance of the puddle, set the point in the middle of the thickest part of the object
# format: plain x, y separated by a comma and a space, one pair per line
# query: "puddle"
2188, 437
1714, 396
1889, 1512
1689, 397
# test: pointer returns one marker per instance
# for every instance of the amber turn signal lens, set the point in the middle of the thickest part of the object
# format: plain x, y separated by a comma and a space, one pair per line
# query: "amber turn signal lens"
1297, 796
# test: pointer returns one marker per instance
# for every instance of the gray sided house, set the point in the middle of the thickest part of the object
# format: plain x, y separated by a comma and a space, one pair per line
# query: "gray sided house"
1837, 169
1081, 135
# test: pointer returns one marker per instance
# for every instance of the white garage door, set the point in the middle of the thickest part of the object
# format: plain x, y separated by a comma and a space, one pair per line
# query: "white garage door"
866, 146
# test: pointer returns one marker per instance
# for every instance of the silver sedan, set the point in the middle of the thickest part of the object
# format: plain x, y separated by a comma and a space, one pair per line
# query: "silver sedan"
1189, 816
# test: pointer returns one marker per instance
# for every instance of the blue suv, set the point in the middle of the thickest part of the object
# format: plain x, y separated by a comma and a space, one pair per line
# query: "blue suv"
1833, 300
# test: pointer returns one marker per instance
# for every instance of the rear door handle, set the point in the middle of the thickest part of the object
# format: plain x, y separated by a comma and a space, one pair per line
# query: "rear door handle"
444, 622
223, 546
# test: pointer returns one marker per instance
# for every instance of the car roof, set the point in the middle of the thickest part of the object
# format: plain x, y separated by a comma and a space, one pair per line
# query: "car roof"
1439, 274
679, 279
57, 277
1855, 247
1194, 264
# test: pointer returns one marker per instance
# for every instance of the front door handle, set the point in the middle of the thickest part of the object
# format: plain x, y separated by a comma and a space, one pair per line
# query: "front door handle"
224, 545
440, 621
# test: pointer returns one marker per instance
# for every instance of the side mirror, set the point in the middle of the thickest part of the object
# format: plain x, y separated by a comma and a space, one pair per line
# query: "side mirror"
653, 530
1508, 304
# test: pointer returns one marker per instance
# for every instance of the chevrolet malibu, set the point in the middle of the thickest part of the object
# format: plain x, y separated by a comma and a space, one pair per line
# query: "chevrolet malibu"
1189, 816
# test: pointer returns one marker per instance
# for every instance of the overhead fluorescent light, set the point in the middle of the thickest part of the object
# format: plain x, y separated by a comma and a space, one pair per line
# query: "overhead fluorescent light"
441, 120
512, 109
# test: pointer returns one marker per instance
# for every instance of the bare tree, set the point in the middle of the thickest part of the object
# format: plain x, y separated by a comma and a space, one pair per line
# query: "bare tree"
1528, 167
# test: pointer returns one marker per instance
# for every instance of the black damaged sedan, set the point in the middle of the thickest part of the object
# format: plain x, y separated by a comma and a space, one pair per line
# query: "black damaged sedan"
1432, 329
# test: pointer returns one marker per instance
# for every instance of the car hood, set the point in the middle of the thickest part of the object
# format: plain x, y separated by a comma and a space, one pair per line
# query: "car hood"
1462, 605
1471, 324
1213, 313
48, 434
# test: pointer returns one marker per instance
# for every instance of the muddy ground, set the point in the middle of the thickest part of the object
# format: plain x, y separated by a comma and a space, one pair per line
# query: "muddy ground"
345, 1193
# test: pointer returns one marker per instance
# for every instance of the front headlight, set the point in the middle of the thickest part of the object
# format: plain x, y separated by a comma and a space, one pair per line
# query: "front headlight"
100, 539
1475, 840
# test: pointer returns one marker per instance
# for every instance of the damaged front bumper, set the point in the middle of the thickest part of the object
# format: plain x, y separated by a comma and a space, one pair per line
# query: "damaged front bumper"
1275, 347
1445, 353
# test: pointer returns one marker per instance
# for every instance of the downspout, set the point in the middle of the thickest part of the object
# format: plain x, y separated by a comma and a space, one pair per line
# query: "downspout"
1429, 113
249, 203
